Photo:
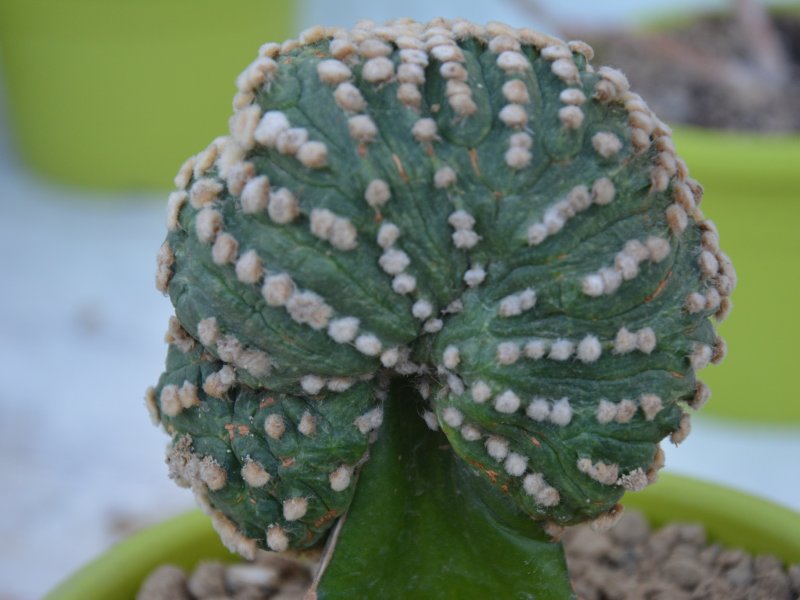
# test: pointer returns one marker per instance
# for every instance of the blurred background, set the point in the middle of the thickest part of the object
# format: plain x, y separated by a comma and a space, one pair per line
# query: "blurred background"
101, 102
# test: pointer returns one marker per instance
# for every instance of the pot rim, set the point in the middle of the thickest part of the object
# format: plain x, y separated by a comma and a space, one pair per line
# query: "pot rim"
188, 538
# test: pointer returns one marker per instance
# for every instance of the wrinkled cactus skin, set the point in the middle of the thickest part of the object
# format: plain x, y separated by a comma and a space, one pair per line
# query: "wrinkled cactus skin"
390, 203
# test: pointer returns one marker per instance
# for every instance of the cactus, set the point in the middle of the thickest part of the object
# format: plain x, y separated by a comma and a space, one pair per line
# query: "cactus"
466, 232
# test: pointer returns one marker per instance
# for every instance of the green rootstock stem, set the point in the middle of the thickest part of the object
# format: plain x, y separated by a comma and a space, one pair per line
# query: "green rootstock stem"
422, 526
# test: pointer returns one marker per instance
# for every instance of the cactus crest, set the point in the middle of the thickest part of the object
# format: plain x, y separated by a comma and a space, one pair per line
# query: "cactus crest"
475, 209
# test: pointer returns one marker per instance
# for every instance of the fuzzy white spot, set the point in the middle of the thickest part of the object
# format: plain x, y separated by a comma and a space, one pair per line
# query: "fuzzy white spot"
377, 193
394, 261
430, 420
651, 405
277, 540
362, 128
513, 115
321, 221
606, 412
451, 357
453, 417
465, 239
333, 71
646, 340
626, 409
474, 276
625, 341
404, 283
340, 384
603, 191
589, 349
561, 350
275, 426
387, 235
212, 474
217, 384
164, 261
290, 141
683, 430
187, 394
507, 353
409, 95
511, 61
422, 309
425, 130
461, 219
566, 70
309, 308
312, 384
701, 356
507, 402
517, 157
283, 206
243, 125
349, 98
516, 91
307, 425
702, 394
535, 349
411, 74
572, 96
709, 266
169, 401
254, 361
228, 348
313, 154
571, 117
601, 472
677, 219
255, 195
515, 464
249, 268
175, 202
277, 289
390, 357
378, 69
606, 144
343, 330
370, 421
208, 331
497, 448
207, 224
480, 392
254, 474
271, 126
634, 481
470, 433
294, 508
368, 344
340, 478
561, 413
444, 177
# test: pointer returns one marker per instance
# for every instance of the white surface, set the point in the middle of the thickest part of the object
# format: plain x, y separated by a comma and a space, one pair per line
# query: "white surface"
81, 329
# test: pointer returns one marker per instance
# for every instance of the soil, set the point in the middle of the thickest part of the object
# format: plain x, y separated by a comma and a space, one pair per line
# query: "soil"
629, 562
740, 71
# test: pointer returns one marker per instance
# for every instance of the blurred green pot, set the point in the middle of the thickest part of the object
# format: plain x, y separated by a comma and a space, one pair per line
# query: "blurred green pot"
118, 94
732, 518
753, 194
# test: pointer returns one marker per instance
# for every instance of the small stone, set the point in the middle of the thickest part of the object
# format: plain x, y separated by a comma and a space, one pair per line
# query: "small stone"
165, 583
208, 579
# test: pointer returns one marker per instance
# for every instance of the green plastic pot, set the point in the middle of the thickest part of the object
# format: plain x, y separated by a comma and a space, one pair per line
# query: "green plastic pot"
751, 185
730, 517
118, 94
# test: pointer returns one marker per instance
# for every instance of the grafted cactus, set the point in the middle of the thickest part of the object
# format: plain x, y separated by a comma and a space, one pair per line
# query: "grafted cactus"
445, 227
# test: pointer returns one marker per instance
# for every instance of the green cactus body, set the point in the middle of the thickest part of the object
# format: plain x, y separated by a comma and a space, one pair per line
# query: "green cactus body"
473, 209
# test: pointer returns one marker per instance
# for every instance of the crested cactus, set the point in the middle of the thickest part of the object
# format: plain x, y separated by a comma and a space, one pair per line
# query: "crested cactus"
440, 227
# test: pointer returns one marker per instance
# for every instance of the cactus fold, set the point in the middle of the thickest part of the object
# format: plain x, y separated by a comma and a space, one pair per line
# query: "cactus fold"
474, 209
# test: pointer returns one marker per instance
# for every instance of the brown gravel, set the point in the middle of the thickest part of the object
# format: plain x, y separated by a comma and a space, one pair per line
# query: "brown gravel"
628, 562
676, 563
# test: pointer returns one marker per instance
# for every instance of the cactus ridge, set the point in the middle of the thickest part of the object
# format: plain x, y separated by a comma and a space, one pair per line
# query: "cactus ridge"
474, 207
